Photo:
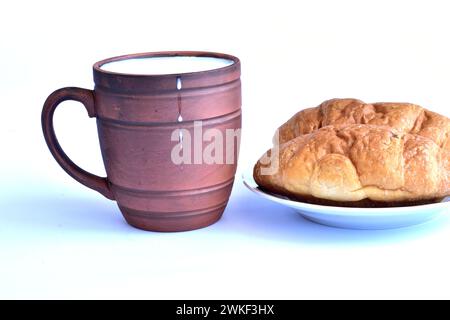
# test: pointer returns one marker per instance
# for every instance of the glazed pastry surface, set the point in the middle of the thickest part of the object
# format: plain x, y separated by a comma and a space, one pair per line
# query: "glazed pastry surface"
389, 160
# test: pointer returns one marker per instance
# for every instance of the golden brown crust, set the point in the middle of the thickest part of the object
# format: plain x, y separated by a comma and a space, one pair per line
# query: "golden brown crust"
404, 117
358, 162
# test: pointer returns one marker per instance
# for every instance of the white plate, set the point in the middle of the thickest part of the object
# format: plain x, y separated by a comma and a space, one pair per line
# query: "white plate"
354, 218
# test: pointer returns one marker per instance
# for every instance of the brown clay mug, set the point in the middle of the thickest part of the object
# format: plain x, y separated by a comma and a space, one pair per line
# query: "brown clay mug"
146, 123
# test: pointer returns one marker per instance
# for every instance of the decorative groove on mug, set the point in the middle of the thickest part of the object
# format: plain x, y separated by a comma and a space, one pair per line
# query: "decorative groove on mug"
168, 215
189, 92
171, 203
130, 125
175, 193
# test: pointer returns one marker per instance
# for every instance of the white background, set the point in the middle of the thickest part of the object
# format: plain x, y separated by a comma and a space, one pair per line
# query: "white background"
59, 239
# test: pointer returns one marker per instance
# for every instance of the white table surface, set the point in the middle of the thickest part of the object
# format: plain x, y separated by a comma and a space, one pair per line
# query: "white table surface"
64, 243
60, 240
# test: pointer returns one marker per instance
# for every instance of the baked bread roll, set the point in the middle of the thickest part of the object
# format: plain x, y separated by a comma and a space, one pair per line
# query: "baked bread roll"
404, 117
356, 162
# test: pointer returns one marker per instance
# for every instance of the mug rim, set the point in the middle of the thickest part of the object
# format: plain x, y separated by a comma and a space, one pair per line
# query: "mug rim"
129, 83
159, 54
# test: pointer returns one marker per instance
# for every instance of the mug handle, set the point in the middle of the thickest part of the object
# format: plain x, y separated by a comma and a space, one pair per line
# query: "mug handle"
86, 97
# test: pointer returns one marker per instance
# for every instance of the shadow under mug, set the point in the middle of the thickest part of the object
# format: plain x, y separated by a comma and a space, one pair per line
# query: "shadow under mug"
138, 116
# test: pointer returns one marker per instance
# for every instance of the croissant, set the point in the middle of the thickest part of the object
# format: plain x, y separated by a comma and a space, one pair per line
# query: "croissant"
404, 117
353, 163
